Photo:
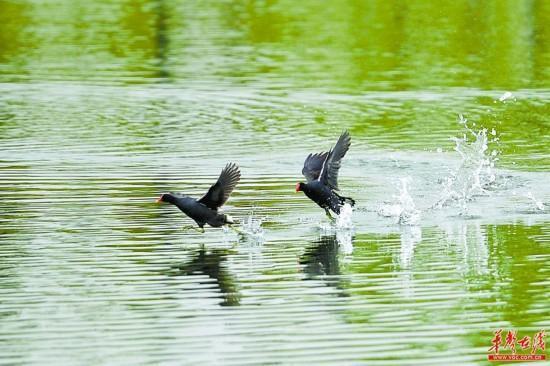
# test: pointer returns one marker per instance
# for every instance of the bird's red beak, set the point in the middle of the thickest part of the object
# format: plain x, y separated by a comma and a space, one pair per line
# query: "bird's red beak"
297, 187
159, 200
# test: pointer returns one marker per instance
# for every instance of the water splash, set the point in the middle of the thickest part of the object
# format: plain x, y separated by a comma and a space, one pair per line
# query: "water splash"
345, 241
476, 172
343, 220
252, 226
342, 227
504, 97
249, 228
404, 208
538, 204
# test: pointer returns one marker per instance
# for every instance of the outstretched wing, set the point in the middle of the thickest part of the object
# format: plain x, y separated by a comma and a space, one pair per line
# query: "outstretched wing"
313, 165
218, 194
331, 165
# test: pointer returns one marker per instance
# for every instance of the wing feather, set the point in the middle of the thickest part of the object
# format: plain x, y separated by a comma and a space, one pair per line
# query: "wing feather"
313, 165
219, 192
330, 168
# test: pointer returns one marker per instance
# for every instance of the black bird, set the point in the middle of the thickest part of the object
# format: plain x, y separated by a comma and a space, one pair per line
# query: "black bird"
321, 172
205, 210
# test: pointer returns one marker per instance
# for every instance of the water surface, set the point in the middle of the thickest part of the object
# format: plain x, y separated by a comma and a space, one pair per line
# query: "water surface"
106, 105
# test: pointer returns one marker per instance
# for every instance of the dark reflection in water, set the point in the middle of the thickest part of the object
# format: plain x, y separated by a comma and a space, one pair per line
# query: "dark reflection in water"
322, 259
211, 263
161, 39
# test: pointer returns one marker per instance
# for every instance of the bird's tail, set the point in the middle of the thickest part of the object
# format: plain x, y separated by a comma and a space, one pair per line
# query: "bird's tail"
344, 200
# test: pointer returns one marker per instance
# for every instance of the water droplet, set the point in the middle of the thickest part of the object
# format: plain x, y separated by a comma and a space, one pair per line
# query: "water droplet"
505, 96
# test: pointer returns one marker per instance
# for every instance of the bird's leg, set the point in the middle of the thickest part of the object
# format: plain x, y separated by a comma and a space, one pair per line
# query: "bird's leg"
332, 219
200, 229
238, 231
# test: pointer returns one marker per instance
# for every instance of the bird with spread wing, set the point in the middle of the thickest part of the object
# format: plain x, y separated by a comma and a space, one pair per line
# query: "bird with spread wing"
205, 210
321, 172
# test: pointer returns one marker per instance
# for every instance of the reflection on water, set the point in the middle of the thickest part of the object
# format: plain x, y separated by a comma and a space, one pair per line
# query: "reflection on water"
322, 258
349, 45
410, 237
211, 264
471, 243
104, 105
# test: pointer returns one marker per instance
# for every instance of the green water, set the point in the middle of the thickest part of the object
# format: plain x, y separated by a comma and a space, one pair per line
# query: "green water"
104, 105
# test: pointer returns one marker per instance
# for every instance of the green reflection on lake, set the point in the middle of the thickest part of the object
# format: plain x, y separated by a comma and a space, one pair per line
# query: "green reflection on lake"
341, 46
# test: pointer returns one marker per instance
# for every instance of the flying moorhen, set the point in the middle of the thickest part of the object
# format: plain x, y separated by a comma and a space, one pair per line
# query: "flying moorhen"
205, 210
321, 172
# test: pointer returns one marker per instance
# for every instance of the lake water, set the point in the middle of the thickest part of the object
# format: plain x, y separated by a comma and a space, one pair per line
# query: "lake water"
106, 105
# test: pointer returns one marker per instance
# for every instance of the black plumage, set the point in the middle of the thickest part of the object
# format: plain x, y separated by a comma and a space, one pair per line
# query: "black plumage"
205, 210
321, 172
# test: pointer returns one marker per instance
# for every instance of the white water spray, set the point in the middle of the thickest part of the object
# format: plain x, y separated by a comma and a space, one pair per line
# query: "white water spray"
343, 220
476, 172
345, 241
252, 226
342, 227
538, 204
504, 97
404, 208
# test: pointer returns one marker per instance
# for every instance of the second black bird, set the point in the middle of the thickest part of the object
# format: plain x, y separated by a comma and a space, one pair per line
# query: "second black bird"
321, 172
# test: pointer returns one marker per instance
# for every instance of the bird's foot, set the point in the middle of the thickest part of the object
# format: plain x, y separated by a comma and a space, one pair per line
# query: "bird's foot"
237, 230
197, 229
332, 219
